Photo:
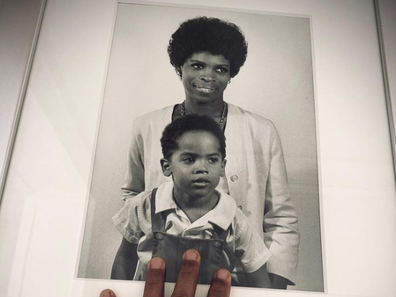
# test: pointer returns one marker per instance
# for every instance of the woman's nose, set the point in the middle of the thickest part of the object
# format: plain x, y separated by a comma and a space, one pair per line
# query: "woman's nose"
207, 75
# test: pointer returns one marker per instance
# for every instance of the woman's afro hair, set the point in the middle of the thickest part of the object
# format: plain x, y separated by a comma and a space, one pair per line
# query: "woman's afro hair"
205, 34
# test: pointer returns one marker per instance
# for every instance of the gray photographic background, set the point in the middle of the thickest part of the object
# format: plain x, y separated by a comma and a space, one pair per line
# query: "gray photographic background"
275, 82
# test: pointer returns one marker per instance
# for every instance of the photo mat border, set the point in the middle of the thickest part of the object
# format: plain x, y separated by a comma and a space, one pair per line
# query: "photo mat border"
315, 99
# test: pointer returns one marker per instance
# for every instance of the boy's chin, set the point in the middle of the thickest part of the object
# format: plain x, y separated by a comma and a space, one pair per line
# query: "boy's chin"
198, 192
202, 193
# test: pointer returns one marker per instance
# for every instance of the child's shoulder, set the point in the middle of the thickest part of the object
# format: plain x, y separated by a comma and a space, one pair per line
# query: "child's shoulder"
227, 200
240, 217
140, 203
241, 222
228, 208
143, 200
133, 213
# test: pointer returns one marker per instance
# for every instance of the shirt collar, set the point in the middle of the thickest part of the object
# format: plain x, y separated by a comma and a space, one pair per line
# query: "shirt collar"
222, 214
164, 198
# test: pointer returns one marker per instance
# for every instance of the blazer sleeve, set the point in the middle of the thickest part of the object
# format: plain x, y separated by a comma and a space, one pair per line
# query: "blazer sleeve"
280, 219
134, 178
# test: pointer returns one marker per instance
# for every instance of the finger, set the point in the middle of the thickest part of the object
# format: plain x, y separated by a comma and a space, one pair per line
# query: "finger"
221, 284
107, 293
188, 275
155, 278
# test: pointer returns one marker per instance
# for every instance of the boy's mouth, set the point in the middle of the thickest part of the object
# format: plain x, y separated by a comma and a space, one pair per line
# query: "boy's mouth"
201, 182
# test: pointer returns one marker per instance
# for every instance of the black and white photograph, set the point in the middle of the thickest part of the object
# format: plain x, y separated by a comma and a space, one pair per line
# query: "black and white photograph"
240, 148
256, 196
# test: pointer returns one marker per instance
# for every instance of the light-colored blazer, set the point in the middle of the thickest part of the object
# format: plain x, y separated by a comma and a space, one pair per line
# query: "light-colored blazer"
255, 172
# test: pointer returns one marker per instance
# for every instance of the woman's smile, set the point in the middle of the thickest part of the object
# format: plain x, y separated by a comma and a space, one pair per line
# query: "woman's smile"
204, 89
205, 77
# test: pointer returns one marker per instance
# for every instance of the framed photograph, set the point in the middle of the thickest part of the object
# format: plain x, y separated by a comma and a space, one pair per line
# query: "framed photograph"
99, 65
275, 82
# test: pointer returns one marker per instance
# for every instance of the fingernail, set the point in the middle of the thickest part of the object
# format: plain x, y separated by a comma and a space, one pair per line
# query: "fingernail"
107, 293
222, 274
156, 263
191, 255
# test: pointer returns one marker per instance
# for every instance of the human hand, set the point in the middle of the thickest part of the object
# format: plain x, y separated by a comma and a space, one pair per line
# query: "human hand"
186, 282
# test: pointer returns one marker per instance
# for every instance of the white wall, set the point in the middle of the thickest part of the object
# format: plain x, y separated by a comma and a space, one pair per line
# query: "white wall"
388, 21
19, 27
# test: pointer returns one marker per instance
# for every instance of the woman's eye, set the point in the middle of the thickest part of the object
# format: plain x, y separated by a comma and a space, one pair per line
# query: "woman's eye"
197, 66
222, 70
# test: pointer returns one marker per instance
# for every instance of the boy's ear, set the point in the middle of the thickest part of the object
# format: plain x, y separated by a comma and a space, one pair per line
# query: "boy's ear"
166, 168
223, 165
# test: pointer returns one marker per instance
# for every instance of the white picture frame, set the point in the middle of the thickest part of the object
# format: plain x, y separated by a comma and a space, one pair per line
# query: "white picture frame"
49, 174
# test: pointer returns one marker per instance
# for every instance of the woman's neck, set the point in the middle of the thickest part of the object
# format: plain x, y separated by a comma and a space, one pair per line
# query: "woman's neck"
213, 109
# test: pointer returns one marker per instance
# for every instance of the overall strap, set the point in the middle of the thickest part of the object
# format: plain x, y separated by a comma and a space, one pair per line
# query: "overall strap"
219, 233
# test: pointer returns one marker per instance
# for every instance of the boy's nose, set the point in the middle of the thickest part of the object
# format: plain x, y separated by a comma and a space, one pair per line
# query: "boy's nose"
201, 168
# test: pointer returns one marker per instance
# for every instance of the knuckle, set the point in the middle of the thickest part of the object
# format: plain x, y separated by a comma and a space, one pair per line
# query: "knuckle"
218, 291
188, 274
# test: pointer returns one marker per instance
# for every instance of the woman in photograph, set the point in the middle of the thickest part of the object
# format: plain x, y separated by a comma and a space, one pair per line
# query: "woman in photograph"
206, 54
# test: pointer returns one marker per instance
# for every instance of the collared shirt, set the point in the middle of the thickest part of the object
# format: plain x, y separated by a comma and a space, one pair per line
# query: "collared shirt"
134, 223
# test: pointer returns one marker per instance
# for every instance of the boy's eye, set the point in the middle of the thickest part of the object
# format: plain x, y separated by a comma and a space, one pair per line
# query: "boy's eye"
188, 160
213, 160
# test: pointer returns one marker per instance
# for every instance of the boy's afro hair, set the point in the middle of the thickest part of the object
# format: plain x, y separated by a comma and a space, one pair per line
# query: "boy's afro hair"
191, 122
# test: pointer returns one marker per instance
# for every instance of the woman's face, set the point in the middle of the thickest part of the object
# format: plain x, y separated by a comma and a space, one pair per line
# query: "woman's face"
205, 77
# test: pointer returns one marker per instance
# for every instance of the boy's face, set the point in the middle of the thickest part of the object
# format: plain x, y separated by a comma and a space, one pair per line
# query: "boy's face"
196, 166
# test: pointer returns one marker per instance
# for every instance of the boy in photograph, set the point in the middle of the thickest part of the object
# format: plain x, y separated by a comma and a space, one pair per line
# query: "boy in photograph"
189, 213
